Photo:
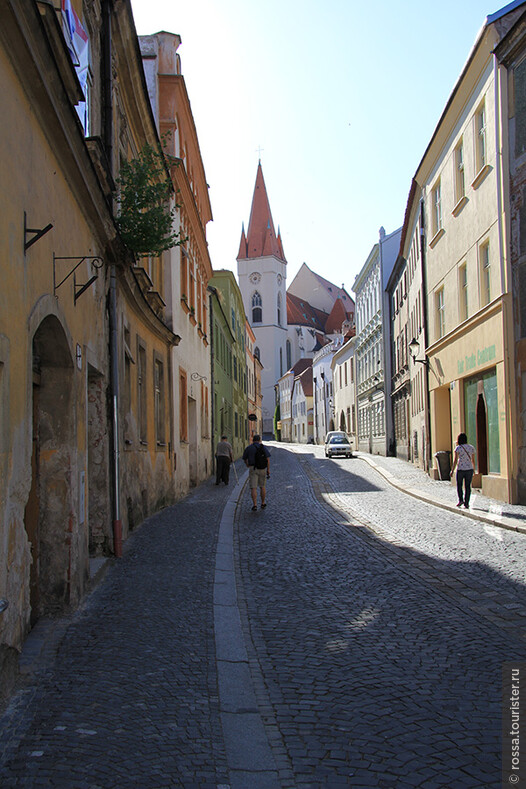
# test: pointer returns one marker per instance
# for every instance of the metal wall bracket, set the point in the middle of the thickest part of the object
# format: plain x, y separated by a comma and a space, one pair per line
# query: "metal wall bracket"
78, 288
37, 233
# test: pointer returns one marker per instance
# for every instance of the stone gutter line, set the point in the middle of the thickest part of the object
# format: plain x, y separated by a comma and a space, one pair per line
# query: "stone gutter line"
500, 521
249, 756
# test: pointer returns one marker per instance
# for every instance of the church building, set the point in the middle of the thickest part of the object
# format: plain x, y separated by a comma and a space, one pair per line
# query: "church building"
288, 325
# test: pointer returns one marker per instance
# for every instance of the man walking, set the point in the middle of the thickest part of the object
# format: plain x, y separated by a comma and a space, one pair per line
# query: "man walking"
256, 457
224, 458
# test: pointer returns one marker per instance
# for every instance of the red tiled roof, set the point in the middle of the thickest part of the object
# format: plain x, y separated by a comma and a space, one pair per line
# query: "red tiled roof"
336, 318
301, 313
261, 239
306, 381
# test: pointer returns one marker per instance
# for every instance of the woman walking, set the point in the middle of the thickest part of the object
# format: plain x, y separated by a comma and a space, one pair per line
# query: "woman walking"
465, 464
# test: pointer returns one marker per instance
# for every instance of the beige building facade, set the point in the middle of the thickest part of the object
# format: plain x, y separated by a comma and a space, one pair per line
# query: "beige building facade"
464, 177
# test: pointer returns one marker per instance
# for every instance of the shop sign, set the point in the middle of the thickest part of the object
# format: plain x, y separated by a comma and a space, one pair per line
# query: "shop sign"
474, 360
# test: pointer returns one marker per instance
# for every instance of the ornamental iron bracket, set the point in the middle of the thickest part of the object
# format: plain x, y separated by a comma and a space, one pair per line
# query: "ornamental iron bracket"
38, 233
78, 288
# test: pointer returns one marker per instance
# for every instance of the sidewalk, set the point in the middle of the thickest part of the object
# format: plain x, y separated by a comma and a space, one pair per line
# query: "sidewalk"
417, 483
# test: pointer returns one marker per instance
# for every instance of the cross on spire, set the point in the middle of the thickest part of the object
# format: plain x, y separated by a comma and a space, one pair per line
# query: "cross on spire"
259, 149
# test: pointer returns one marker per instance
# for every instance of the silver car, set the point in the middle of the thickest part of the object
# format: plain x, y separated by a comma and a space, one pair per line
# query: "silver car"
338, 446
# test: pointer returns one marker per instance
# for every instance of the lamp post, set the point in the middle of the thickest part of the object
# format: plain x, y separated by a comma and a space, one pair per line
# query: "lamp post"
414, 350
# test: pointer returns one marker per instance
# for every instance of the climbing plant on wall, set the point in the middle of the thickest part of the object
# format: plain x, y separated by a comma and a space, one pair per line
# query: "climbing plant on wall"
145, 219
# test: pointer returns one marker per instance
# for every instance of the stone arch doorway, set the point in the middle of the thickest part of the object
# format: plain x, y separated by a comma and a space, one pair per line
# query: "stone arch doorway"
48, 516
343, 425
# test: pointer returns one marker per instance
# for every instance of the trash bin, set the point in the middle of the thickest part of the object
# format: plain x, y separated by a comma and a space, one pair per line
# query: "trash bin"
444, 464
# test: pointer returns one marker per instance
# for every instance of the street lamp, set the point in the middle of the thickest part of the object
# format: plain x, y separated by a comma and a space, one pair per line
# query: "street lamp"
414, 350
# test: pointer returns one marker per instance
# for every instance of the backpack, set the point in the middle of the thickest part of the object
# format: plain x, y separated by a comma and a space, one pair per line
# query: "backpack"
260, 458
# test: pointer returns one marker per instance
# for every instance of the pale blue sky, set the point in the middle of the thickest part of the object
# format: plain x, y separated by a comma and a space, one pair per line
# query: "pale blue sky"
341, 96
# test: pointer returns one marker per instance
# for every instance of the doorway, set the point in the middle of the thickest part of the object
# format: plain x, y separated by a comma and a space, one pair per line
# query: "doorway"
482, 432
48, 517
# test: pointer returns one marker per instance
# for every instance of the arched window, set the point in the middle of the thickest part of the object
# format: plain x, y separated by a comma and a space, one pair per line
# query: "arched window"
279, 309
288, 347
256, 353
257, 312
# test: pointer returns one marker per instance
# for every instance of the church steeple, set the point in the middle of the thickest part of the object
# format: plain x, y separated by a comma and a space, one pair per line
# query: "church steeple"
261, 239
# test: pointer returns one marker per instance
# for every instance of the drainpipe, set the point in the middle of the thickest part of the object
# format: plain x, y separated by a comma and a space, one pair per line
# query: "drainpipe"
212, 376
425, 326
114, 382
107, 82
114, 367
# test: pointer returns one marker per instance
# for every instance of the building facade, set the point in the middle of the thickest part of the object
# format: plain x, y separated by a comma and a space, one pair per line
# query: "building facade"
373, 357
511, 53
230, 355
464, 177
187, 269
344, 385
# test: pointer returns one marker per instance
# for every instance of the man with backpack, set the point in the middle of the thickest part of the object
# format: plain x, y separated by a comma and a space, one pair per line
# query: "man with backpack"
256, 457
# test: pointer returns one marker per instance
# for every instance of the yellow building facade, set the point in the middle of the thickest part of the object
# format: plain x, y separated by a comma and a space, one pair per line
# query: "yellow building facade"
87, 425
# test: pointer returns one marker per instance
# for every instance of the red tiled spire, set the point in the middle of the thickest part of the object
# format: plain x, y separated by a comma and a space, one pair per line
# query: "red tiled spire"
261, 239
242, 245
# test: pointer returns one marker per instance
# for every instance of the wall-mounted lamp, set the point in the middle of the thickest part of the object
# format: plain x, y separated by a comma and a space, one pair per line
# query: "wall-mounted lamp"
197, 377
414, 350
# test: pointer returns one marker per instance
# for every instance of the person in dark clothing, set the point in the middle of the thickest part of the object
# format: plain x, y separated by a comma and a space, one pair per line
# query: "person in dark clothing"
224, 458
257, 458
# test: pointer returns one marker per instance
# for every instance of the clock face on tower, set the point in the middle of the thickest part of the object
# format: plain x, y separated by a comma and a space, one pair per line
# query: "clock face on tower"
255, 277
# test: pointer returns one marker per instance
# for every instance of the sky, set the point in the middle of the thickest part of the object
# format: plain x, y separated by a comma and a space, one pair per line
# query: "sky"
338, 99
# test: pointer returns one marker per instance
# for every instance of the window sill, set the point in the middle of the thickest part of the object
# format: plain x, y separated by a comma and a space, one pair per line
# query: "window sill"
481, 175
460, 205
193, 321
184, 305
436, 238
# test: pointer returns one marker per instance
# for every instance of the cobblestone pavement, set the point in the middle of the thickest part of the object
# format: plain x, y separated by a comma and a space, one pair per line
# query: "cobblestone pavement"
372, 631
379, 626
131, 699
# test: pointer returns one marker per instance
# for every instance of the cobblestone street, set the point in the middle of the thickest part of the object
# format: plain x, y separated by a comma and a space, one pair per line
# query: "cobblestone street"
349, 634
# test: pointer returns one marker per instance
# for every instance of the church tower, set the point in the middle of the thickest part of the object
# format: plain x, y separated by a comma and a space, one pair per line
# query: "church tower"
262, 276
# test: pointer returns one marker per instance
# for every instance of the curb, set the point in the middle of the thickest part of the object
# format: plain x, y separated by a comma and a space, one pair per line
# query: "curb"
501, 521
249, 756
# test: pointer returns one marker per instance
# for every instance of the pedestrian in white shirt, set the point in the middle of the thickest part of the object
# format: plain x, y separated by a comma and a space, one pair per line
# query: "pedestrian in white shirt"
465, 464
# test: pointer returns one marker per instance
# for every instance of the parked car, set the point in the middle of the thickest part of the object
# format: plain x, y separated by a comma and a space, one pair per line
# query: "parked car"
332, 433
338, 445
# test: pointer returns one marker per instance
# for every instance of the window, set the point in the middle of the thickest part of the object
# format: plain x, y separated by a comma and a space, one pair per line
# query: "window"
460, 185
463, 292
183, 406
436, 209
141, 393
485, 275
280, 362
184, 275
159, 402
480, 142
279, 309
233, 318
257, 353
257, 312
288, 349
440, 313
128, 361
